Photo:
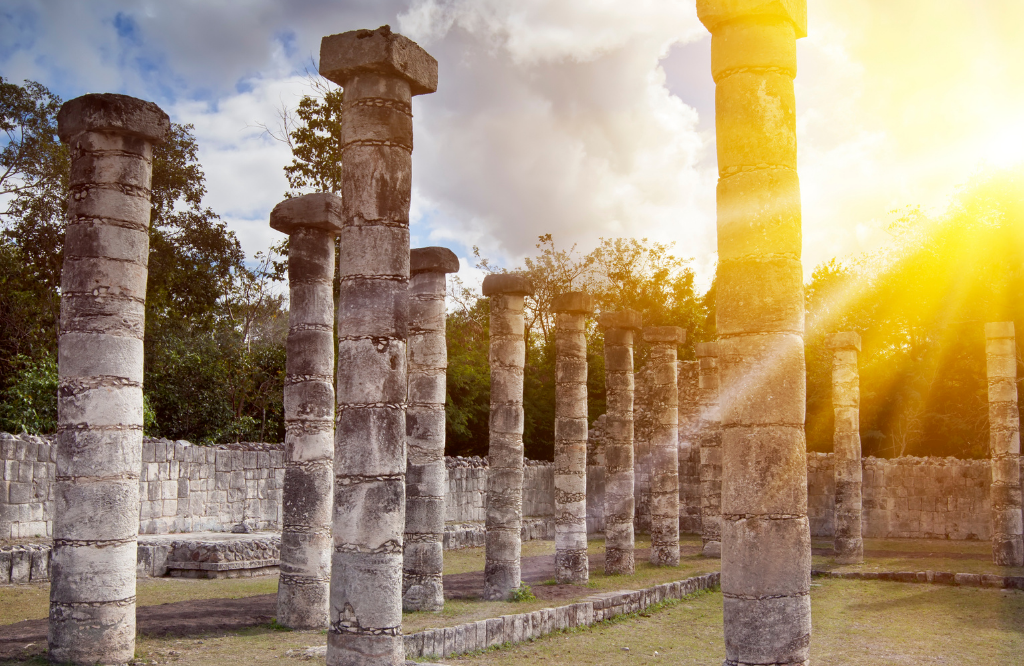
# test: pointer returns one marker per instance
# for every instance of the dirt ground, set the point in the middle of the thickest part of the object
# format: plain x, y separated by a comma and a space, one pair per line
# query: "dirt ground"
210, 616
205, 616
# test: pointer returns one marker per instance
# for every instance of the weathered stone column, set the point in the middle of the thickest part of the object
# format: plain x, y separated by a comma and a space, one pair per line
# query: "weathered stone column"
571, 311
709, 438
766, 549
426, 477
100, 357
849, 546
1004, 444
380, 73
504, 522
619, 328
665, 444
312, 222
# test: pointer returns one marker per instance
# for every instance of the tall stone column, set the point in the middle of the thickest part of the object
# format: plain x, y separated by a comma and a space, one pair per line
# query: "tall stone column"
100, 357
1004, 444
504, 521
709, 438
312, 222
380, 72
571, 311
665, 444
766, 549
619, 329
849, 545
426, 477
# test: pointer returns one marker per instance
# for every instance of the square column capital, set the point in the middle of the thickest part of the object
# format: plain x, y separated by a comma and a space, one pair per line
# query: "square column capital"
712, 13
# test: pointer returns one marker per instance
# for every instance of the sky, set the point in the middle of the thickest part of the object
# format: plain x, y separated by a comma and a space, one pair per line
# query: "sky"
579, 118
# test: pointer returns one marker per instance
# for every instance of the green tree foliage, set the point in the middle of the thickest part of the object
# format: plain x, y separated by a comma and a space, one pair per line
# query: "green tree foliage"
315, 140
920, 304
209, 317
620, 273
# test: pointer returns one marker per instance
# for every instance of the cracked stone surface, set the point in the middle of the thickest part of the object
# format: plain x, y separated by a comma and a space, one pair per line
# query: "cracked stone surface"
571, 311
849, 544
312, 222
100, 359
504, 518
664, 493
766, 553
1004, 444
380, 72
619, 329
709, 439
426, 475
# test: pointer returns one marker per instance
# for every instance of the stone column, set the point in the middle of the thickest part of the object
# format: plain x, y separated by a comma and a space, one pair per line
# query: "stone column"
312, 222
619, 328
849, 545
571, 311
665, 444
425, 475
100, 358
709, 438
505, 453
380, 73
1004, 444
766, 549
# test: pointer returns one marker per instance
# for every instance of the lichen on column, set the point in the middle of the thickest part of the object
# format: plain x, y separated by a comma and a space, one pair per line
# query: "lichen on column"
312, 222
849, 544
766, 553
619, 329
1004, 444
380, 73
100, 361
709, 438
664, 469
571, 310
504, 518
426, 477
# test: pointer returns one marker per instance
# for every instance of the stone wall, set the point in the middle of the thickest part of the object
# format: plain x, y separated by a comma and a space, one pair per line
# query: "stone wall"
465, 501
643, 427
186, 488
936, 498
26, 486
183, 488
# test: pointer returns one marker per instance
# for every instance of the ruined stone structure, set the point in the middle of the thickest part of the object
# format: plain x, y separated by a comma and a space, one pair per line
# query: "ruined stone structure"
766, 550
571, 565
380, 72
849, 545
665, 444
99, 405
710, 441
312, 222
502, 572
619, 329
689, 410
425, 475
1004, 444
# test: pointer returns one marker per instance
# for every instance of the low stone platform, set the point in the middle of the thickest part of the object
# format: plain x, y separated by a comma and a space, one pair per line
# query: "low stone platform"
473, 535
210, 555
196, 555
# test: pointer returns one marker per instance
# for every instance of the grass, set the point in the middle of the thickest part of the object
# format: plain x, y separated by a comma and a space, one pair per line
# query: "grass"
459, 611
898, 562
863, 622
32, 602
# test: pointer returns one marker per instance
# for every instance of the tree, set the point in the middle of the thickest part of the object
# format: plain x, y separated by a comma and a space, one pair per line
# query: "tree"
214, 349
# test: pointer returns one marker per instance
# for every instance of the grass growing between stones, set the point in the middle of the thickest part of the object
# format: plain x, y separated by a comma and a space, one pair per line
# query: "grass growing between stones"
459, 611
